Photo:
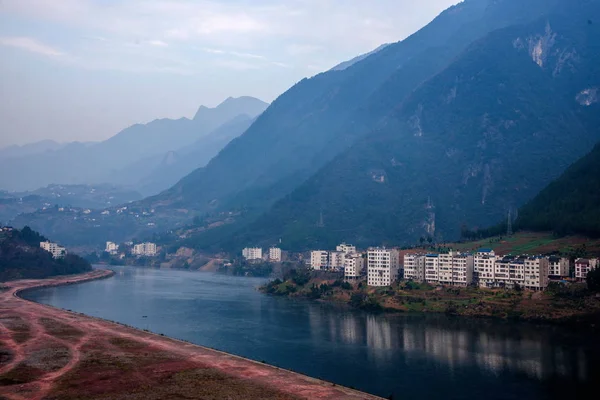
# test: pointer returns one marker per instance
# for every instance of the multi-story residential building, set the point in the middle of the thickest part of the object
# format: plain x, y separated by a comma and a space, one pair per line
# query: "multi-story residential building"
536, 273
336, 260
275, 254
509, 271
483, 272
147, 249
414, 267
432, 270
462, 269
583, 266
445, 268
354, 266
382, 266
319, 260
558, 267
452, 268
54, 249
111, 248
345, 248
524, 271
252, 253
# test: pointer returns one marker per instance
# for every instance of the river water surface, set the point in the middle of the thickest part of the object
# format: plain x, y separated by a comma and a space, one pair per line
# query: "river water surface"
409, 356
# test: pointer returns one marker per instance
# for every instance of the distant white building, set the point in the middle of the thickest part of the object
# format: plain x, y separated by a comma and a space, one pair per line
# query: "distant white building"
524, 271
452, 268
111, 248
583, 266
536, 273
414, 267
53, 248
319, 260
354, 266
275, 254
463, 266
144, 249
336, 260
345, 248
485, 260
252, 253
558, 267
432, 268
382, 266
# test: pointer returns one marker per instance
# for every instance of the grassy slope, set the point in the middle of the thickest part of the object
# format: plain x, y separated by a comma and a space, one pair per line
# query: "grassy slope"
533, 243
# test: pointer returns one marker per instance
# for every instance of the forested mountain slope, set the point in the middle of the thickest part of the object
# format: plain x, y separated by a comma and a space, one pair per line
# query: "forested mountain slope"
320, 117
570, 204
21, 257
485, 135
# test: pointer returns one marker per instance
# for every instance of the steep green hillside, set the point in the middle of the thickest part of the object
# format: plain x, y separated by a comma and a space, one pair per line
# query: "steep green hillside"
570, 204
320, 117
22, 258
485, 135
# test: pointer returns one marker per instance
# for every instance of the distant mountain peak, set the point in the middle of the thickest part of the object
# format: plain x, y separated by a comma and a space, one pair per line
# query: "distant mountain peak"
242, 99
235, 106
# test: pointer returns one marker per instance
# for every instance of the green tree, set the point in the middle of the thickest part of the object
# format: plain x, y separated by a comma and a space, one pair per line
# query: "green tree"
593, 280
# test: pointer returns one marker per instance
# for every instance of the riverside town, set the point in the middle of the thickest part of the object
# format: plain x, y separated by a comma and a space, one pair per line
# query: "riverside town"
381, 267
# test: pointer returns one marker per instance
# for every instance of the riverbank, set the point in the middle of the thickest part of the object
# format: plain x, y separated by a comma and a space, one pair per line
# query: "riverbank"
572, 305
47, 353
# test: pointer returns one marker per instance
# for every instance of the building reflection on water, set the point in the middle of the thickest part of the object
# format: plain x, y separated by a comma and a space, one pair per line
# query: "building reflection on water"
493, 346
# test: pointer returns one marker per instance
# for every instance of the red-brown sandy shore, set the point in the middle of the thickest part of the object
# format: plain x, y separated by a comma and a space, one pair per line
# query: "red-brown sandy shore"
47, 353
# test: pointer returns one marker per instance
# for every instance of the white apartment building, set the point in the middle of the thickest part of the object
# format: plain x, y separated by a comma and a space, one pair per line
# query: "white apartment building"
445, 268
354, 266
483, 272
275, 254
558, 267
414, 267
54, 249
462, 269
147, 249
345, 248
336, 260
508, 271
432, 264
536, 273
451, 268
319, 260
252, 253
111, 248
527, 272
583, 266
382, 266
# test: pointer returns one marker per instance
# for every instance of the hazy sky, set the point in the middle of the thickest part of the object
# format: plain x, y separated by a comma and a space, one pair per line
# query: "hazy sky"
85, 69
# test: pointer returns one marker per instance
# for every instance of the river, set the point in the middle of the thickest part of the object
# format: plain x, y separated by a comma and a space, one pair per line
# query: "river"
409, 356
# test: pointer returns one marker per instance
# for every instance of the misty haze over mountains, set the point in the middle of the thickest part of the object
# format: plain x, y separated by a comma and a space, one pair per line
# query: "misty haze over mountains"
468, 118
138, 156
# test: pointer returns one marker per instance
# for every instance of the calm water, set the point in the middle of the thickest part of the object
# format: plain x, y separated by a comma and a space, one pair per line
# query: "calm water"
413, 357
